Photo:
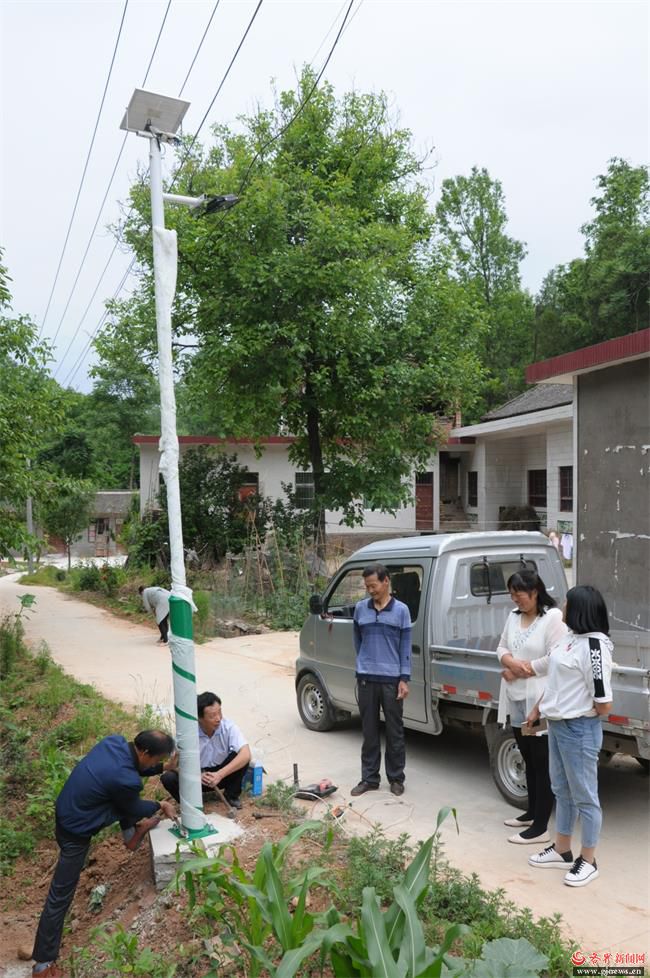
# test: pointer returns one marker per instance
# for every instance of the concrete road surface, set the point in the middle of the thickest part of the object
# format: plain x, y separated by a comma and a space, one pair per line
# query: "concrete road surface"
254, 677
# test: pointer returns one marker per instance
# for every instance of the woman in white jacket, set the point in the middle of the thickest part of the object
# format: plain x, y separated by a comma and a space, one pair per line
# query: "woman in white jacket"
578, 693
531, 629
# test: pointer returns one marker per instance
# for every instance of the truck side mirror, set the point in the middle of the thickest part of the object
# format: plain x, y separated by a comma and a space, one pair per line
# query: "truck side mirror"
316, 604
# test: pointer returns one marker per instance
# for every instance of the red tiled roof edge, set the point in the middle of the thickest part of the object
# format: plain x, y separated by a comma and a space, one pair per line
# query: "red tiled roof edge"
600, 354
213, 440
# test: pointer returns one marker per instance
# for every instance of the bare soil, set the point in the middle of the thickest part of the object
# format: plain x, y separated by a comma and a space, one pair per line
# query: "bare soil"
131, 898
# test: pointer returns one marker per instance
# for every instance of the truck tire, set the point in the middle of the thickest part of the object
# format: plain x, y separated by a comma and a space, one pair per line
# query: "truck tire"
508, 770
644, 762
313, 704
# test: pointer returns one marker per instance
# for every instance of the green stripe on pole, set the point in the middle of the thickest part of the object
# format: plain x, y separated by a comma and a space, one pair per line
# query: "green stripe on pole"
180, 615
183, 672
187, 716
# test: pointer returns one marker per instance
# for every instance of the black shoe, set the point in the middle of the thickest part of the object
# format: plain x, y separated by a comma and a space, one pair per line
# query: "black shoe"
234, 802
362, 787
397, 787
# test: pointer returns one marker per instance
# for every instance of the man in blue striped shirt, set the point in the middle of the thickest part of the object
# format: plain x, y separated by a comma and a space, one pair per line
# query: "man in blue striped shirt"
382, 639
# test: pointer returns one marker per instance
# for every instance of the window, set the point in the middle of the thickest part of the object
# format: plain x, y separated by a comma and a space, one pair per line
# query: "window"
492, 578
472, 488
566, 488
405, 583
304, 490
424, 478
537, 487
250, 486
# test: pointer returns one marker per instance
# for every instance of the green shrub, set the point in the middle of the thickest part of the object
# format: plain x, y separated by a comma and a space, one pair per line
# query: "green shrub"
86, 577
14, 842
202, 602
11, 643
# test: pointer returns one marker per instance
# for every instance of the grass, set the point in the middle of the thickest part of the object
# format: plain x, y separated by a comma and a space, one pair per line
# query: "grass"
36, 756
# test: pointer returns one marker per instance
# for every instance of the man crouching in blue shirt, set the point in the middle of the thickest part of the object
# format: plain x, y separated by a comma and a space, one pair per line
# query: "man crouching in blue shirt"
103, 788
382, 639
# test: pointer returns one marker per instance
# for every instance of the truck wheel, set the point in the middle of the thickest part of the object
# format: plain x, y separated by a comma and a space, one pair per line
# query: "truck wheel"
644, 762
313, 704
508, 769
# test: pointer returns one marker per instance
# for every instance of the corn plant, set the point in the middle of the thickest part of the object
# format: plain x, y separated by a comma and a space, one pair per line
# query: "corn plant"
254, 908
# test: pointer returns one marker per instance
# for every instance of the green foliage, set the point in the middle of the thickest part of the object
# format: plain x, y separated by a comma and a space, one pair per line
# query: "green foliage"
606, 293
216, 518
471, 222
14, 842
251, 909
50, 773
11, 643
299, 303
71, 455
65, 512
125, 957
146, 539
31, 408
202, 602
45, 576
375, 861
280, 797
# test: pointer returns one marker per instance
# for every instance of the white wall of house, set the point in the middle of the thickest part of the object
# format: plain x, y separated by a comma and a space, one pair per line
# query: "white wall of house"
273, 468
502, 463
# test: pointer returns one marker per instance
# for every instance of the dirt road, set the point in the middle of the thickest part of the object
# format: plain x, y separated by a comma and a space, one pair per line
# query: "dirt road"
254, 677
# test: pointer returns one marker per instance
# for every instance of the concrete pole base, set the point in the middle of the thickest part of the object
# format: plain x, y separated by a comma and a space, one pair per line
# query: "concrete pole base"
164, 842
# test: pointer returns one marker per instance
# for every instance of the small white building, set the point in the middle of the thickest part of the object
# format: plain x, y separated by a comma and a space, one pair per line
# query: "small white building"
519, 454
267, 472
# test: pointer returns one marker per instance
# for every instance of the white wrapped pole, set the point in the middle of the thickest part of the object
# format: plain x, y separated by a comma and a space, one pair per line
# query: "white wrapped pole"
181, 643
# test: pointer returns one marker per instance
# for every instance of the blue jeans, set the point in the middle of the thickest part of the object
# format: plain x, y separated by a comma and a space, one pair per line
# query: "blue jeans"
574, 746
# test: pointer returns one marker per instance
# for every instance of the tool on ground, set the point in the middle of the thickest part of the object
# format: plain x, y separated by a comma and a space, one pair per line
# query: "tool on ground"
230, 811
267, 814
321, 789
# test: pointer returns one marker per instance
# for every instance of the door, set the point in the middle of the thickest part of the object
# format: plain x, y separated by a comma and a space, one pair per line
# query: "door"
424, 501
333, 632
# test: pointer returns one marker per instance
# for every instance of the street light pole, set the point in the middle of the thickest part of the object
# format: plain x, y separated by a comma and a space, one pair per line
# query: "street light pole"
158, 118
180, 603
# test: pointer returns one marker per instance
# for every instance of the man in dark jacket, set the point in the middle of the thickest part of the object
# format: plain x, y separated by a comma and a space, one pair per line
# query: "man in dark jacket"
103, 788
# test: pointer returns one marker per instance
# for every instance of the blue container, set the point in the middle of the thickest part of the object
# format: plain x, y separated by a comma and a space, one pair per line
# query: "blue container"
255, 778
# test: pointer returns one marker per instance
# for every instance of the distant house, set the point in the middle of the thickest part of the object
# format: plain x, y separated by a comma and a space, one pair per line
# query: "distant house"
267, 474
520, 454
611, 435
100, 539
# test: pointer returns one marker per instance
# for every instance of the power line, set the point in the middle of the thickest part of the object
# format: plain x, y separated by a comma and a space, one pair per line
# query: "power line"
99, 214
201, 124
77, 364
207, 28
299, 110
83, 175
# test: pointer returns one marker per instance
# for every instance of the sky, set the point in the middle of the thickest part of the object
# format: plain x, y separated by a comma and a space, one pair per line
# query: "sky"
542, 94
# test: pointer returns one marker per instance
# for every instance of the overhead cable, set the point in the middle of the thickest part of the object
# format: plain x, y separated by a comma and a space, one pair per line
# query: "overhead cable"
99, 214
201, 124
85, 169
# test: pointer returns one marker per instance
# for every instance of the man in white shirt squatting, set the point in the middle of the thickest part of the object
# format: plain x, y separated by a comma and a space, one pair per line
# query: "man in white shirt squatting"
225, 754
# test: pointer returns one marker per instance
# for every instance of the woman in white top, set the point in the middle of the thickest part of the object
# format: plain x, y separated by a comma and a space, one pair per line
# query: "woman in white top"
530, 632
578, 693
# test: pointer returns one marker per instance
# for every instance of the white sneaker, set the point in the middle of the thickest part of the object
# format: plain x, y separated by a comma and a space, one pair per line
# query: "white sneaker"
581, 873
517, 823
552, 858
519, 839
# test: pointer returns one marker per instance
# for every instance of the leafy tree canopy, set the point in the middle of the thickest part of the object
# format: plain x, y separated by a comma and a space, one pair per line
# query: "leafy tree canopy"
606, 293
471, 222
31, 412
316, 306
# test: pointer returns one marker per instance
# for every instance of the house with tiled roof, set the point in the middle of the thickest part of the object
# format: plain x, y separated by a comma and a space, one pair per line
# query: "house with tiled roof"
518, 455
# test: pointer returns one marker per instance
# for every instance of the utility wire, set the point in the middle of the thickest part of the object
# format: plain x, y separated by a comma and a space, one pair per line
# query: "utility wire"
198, 50
201, 124
99, 214
298, 111
77, 364
83, 175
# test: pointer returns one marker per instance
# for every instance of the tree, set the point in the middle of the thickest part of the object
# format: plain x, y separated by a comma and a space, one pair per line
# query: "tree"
66, 511
30, 415
606, 293
309, 305
471, 222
